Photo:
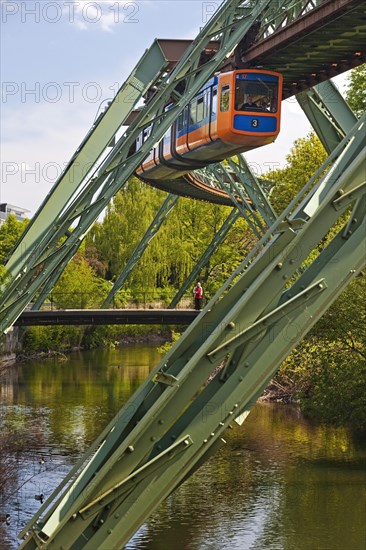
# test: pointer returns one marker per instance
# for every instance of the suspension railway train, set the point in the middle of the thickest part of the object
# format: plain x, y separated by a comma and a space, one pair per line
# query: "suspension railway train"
234, 112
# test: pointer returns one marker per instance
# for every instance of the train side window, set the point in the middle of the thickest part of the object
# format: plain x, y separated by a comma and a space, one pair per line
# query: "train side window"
225, 98
214, 103
193, 112
139, 141
200, 112
146, 132
182, 119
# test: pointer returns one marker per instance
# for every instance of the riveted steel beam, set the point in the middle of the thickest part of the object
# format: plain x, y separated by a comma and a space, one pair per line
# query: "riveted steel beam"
328, 113
207, 396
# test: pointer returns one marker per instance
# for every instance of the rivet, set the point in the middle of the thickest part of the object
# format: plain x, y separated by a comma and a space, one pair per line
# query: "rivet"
205, 440
212, 434
130, 448
279, 266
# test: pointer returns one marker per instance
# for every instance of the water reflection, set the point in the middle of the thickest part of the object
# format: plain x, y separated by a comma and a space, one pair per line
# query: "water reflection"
280, 482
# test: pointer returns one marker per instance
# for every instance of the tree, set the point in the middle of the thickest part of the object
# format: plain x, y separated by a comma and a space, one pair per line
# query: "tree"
10, 232
79, 286
356, 92
306, 156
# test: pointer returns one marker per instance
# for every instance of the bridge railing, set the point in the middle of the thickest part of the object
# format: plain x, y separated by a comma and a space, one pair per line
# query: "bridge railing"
124, 300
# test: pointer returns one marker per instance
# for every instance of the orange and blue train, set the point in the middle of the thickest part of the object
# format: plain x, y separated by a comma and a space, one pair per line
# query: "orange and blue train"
234, 112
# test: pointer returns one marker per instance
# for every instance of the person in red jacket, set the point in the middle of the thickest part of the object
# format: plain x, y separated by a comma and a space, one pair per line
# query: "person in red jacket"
198, 293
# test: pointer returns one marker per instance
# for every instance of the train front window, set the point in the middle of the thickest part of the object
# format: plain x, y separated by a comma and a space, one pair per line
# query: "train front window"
256, 94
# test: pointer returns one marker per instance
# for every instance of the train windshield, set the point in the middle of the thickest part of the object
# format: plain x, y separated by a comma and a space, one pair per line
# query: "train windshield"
256, 92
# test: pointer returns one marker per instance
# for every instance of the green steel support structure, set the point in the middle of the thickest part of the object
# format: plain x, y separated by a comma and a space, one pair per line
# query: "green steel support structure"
32, 271
328, 113
224, 360
216, 371
238, 180
148, 72
154, 227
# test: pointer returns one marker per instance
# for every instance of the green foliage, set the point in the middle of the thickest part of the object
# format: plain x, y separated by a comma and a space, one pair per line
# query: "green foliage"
79, 286
327, 371
10, 232
166, 347
56, 338
305, 157
171, 256
356, 92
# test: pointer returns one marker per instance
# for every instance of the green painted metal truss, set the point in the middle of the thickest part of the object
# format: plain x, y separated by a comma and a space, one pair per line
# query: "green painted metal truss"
213, 375
216, 371
39, 258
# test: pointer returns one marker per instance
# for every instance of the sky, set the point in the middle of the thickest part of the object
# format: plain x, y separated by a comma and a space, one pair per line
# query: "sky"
61, 61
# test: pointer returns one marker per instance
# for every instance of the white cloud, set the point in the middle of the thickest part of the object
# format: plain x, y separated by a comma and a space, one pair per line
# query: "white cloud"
102, 15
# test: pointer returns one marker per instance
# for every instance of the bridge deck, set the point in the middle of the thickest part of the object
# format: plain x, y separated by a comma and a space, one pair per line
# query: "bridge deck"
107, 317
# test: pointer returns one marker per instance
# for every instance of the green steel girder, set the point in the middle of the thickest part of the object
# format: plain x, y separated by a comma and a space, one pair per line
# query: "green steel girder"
148, 72
236, 177
284, 14
150, 233
232, 20
214, 244
166, 429
238, 196
253, 188
328, 113
240, 181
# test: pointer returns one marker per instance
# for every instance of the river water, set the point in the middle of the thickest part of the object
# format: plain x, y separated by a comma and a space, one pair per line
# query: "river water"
281, 483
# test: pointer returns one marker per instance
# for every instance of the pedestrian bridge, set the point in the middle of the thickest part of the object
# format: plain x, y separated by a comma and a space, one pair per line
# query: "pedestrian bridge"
107, 317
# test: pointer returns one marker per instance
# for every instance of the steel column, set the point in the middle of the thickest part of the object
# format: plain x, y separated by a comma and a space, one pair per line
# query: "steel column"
328, 113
